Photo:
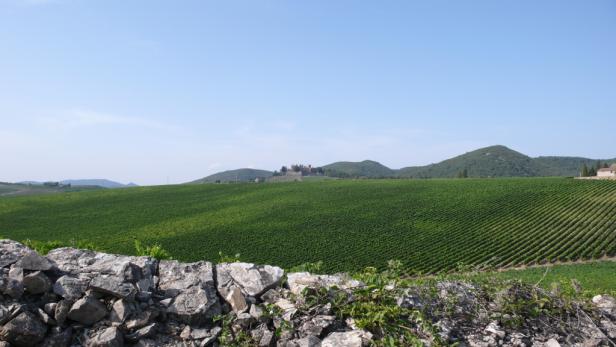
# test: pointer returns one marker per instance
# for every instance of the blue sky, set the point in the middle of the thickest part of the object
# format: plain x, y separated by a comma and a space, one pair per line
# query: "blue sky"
156, 91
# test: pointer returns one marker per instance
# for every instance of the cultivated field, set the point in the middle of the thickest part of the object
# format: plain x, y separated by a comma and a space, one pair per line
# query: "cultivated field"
430, 225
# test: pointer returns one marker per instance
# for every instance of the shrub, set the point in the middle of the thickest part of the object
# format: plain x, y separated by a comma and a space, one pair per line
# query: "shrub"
155, 251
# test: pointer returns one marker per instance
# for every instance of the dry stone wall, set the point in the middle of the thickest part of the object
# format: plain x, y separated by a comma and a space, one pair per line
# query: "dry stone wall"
73, 297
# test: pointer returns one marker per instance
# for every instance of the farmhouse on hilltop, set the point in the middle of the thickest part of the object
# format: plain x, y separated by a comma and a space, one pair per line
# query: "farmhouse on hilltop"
607, 172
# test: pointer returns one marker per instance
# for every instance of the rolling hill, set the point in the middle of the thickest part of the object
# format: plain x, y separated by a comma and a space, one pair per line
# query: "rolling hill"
96, 182
239, 175
366, 168
430, 225
493, 161
21, 189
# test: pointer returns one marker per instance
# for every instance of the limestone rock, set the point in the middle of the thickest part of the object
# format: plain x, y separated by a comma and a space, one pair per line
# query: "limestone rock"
316, 326
605, 303
110, 337
309, 341
58, 337
70, 288
253, 280
287, 307
61, 311
354, 338
494, 329
236, 299
175, 276
262, 336
11, 251
87, 311
11, 282
256, 312
113, 285
45, 317
37, 283
24, 330
140, 319
194, 305
298, 281
35, 262
147, 331
120, 311
50, 308
137, 270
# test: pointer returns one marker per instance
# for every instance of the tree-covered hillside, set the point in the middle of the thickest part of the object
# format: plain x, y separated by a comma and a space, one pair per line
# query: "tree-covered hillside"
239, 175
366, 168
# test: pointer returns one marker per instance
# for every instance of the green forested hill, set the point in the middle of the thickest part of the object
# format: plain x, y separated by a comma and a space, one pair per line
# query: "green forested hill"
366, 168
239, 175
500, 161
493, 161
430, 225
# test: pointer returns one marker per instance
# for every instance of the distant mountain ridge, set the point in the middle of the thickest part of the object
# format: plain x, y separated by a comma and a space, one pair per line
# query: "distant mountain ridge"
239, 175
492, 161
97, 182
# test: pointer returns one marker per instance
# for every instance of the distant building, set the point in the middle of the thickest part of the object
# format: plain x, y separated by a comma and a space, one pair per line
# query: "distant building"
609, 172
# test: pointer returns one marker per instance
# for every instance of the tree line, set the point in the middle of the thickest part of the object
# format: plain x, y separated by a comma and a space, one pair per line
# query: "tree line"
592, 171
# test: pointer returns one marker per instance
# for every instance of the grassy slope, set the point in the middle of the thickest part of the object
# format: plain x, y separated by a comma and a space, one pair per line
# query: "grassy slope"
428, 224
595, 277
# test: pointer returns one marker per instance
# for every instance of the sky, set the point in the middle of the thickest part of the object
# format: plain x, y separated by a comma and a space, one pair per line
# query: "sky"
159, 92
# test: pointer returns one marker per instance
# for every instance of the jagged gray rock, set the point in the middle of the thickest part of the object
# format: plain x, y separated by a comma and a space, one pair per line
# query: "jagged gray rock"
110, 337
120, 311
310, 341
59, 337
354, 338
146, 331
61, 311
25, 330
37, 283
70, 288
113, 285
140, 319
175, 277
194, 305
253, 280
33, 261
298, 281
605, 303
87, 310
11, 251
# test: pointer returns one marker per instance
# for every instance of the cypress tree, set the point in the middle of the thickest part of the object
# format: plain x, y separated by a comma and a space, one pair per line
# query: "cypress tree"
584, 171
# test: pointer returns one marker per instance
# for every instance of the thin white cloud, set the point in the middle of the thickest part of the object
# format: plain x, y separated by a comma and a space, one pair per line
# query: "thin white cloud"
77, 118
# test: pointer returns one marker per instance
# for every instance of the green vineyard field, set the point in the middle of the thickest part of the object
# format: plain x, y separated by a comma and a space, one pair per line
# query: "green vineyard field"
430, 225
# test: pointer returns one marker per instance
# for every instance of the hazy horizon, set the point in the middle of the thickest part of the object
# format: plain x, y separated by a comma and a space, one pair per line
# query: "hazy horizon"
154, 92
